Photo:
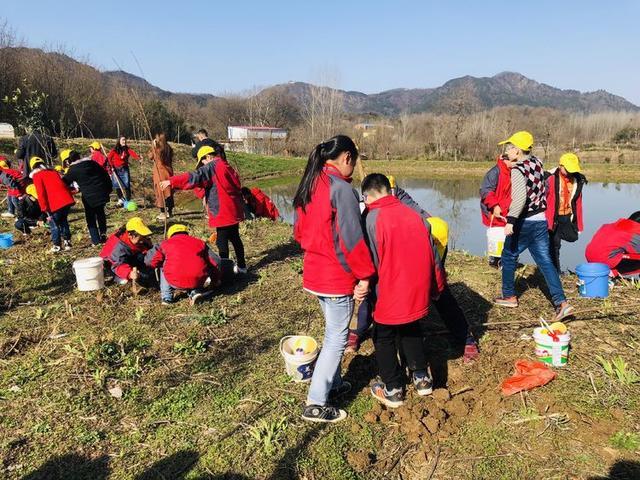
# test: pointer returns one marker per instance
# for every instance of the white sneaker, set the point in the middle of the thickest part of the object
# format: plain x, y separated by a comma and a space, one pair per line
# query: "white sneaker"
55, 249
237, 270
7, 215
66, 245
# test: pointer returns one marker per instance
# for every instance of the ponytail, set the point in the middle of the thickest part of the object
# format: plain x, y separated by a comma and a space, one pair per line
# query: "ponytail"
328, 150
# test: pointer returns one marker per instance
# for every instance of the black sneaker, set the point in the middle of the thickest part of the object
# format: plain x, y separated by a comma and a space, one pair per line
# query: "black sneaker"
343, 389
323, 414
423, 384
391, 400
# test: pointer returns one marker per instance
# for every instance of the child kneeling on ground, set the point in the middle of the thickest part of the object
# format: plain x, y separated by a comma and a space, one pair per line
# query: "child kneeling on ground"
409, 275
28, 211
124, 252
185, 263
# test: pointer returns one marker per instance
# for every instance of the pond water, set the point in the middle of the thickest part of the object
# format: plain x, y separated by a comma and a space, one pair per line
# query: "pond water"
457, 201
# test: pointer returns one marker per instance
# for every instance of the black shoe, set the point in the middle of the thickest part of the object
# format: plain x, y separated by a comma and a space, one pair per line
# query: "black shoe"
326, 414
343, 389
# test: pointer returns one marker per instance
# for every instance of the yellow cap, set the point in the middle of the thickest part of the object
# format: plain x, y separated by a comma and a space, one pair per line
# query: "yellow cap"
34, 161
177, 228
523, 140
392, 180
204, 151
95, 145
571, 162
58, 168
4, 164
137, 225
31, 190
440, 233
64, 154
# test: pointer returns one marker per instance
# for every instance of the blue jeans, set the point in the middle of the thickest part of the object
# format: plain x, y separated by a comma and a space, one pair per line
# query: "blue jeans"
167, 290
326, 374
12, 204
535, 237
124, 177
59, 225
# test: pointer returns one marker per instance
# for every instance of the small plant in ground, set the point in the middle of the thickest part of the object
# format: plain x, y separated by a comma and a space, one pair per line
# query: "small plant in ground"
625, 440
266, 434
617, 369
190, 347
139, 314
216, 318
296, 265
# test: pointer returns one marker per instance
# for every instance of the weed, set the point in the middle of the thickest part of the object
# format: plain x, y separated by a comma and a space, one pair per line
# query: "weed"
625, 440
263, 275
215, 318
267, 434
190, 347
177, 402
617, 369
296, 265
139, 314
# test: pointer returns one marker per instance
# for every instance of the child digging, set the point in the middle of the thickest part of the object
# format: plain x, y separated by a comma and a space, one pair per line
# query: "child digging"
409, 276
185, 263
125, 250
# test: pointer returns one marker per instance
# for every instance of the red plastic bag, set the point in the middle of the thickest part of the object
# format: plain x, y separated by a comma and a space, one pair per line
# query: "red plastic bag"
529, 374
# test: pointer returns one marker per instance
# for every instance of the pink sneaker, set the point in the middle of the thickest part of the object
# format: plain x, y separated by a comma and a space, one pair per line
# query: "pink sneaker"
353, 343
471, 350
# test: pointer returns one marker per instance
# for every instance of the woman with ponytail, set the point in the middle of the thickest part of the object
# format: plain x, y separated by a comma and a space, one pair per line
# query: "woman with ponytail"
337, 263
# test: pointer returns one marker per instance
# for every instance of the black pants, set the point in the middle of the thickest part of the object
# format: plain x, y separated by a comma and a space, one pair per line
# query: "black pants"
231, 234
452, 315
565, 230
168, 204
387, 339
96, 222
628, 266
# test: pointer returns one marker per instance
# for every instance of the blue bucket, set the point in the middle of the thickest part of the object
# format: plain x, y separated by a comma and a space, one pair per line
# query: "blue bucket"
593, 280
6, 240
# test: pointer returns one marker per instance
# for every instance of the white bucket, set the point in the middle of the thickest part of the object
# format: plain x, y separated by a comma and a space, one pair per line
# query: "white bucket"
550, 352
299, 365
495, 241
89, 273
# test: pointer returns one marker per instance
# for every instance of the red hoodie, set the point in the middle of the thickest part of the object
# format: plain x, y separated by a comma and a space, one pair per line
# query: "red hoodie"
119, 160
409, 269
98, 157
613, 242
329, 230
222, 190
16, 178
53, 193
263, 205
122, 254
186, 261
496, 190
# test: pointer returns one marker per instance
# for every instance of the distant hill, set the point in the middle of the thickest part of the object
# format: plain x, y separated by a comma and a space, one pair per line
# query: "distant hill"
503, 89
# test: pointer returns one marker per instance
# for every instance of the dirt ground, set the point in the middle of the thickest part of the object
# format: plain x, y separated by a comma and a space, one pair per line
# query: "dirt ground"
111, 384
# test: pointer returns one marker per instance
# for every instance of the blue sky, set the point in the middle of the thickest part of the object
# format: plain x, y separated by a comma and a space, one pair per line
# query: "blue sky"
221, 47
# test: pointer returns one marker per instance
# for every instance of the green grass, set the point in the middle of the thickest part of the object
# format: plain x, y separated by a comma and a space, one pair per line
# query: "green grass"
625, 440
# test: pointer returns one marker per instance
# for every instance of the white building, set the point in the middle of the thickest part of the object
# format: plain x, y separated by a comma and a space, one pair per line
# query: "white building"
243, 133
7, 131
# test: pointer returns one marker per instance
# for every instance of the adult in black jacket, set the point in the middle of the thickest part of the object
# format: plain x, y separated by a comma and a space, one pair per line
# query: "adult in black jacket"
95, 185
203, 141
35, 144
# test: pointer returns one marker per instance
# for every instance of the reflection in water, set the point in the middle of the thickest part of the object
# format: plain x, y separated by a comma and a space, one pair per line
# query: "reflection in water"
457, 202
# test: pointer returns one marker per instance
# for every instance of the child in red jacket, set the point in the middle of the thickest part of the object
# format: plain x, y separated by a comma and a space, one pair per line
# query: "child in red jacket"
185, 263
219, 184
259, 205
12, 179
618, 245
55, 200
124, 251
409, 277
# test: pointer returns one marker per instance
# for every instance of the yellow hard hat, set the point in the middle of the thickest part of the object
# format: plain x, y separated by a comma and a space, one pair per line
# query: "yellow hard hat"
571, 162
204, 151
439, 232
392, 181
64, 154
95, 145
177, 228
523, 140
58, 168
34, 161
31, 190
4, 164
137, 225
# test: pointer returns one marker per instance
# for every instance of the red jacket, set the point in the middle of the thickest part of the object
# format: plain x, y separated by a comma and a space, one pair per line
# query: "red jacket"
263, 206
122, 255
186, 261
53, 193
613, 242
495, 190
409, 270
553, 200
98, 157
222, 189
14, 179
330, 232
119, 160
